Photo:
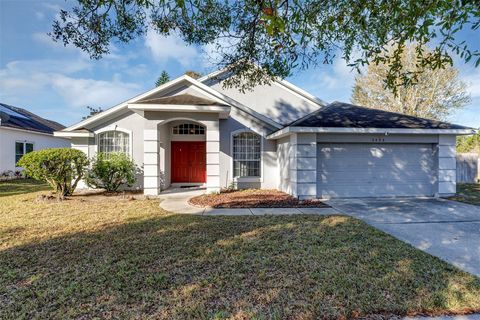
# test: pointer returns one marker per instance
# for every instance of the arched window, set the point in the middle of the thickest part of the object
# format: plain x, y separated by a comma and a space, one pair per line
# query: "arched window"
246, 155
114, 141
188, 128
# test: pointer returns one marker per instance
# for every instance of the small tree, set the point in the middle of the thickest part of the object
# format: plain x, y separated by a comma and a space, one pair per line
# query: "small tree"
164, 78
437, 93
111, 171
61, 168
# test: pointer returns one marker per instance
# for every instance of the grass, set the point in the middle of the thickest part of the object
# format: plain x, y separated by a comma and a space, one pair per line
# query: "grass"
117, 258
468, 193
19, 186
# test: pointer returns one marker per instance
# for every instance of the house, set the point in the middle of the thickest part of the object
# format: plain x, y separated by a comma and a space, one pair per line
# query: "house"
21, 132
197, 132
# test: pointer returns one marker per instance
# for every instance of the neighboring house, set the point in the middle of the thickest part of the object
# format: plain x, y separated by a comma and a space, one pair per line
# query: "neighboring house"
22, 132
196, 132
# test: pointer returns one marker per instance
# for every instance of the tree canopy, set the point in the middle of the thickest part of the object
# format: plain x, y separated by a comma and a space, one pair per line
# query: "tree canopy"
437, 93
281, 36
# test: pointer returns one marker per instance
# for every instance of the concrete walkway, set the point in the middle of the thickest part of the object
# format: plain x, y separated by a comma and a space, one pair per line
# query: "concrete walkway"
176, 201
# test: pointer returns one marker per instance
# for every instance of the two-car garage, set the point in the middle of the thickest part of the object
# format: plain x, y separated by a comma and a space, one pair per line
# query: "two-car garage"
375, 170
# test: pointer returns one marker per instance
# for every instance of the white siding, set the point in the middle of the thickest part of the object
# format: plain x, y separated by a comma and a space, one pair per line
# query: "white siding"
8, 137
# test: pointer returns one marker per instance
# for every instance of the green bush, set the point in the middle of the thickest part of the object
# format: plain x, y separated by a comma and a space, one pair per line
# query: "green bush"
61, 168
111, 171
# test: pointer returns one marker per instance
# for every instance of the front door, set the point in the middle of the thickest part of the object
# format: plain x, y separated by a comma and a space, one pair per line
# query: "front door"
189, 161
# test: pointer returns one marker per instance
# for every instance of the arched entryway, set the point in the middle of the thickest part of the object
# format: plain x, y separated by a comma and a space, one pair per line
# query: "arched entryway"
184, 142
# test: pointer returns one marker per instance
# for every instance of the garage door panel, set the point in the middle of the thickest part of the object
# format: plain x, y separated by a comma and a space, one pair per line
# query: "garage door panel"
363, 170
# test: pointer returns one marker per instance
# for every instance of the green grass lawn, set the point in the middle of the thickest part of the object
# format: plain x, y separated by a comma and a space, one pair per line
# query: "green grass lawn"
91, 257
13, 187
468, 193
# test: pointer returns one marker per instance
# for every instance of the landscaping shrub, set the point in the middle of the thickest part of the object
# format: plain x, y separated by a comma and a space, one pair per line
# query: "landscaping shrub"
111, 171
61, 168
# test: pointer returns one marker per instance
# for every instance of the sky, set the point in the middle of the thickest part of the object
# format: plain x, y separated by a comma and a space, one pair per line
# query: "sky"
58, 82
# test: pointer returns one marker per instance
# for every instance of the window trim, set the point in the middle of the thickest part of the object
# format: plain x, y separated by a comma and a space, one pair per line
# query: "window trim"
245, 179
24, 142
114, 128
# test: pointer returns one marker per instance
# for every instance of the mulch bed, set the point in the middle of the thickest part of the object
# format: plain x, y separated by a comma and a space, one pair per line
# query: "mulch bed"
254, 198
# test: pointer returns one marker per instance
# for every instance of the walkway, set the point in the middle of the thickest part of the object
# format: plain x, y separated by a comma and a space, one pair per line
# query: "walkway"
176, 201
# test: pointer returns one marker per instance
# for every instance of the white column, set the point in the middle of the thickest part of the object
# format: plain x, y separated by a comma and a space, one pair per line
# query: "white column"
82, 144
447, 166
303, 165
213, 155
151, 179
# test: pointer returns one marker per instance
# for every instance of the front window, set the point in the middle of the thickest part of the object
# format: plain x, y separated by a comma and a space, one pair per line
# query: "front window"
114, 141
246, 155
22, 148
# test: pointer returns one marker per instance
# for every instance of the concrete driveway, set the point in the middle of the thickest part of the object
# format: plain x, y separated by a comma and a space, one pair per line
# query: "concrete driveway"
447, 229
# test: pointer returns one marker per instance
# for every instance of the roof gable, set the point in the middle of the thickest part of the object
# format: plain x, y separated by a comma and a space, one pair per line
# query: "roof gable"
162, 92
280, 101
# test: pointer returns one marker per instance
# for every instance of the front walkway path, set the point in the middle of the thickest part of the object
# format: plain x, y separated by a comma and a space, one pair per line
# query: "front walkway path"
176, 201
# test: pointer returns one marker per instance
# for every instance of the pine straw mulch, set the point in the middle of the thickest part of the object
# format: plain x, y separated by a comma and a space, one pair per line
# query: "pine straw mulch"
254, 198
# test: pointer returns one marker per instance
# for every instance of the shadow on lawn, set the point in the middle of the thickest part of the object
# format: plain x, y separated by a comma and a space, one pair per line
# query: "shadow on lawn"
181, 266
21, 186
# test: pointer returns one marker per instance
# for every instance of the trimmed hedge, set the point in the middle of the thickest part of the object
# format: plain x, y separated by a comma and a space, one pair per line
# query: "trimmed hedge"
111, 171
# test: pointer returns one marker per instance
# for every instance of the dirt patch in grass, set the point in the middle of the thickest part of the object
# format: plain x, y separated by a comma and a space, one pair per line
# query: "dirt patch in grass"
468, 193
120, 259
254, 198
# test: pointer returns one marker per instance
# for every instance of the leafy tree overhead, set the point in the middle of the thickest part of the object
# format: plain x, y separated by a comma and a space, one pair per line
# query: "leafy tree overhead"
164, 78
281, 36
92, 111
437, 94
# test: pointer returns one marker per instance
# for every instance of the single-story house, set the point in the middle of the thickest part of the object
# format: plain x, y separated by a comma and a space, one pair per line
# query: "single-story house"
21, 132
198, 132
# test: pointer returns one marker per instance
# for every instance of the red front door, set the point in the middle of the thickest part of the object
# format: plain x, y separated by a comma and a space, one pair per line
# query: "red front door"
189, 161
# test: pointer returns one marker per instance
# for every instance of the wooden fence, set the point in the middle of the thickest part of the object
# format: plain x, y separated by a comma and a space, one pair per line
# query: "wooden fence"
467, 167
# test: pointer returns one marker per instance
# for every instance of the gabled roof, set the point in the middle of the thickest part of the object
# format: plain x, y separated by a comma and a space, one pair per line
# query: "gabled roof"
345, 115
209, 92
19, 118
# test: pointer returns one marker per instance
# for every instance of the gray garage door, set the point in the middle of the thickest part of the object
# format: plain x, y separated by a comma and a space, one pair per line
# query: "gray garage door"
375, 170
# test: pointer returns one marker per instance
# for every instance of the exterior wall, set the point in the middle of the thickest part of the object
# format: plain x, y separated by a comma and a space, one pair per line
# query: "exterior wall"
274, 101
238, 120
303, 165
8, 137
447, 165
283, 155
134, 124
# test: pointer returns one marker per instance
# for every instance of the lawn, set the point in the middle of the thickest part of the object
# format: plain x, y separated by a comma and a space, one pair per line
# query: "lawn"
468, 193
89, 257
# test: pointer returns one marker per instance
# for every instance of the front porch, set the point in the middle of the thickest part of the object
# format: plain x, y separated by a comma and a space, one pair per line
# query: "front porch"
181, 142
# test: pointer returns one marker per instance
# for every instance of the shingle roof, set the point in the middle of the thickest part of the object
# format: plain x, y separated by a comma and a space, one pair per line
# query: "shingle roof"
345, 115
19, 118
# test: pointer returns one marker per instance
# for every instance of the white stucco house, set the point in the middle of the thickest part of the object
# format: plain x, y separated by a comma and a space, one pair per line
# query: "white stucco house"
196, 132
21, 132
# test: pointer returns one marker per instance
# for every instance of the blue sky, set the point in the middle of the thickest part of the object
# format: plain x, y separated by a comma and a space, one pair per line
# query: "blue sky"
58, 83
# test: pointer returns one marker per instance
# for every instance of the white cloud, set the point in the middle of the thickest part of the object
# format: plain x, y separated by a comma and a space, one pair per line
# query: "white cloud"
89, 92
37, 79
170, 47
